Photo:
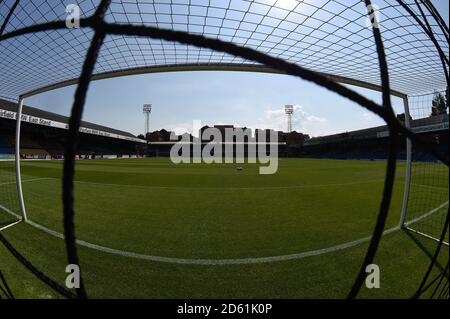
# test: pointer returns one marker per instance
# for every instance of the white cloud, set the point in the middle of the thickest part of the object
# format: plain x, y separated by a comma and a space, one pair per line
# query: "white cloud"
179, 128
275, 119
302, 121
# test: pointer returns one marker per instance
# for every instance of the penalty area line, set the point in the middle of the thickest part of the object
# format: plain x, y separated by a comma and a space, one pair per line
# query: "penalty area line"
258, 188
27, 180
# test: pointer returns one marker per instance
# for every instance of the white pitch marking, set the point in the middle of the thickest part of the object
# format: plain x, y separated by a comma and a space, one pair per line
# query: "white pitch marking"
237, 261
10, 225
227, 188
431, 186
27, 180
431, 212
189, 261
9, 211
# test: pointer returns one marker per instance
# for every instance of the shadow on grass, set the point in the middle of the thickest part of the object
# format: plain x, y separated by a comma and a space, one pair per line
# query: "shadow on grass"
418, 240
438, 282
6, 223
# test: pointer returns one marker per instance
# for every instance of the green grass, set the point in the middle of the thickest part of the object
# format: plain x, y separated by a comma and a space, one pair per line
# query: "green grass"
151, 206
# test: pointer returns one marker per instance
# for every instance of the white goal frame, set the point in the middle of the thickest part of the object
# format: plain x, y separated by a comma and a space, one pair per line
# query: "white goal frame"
402, 224
406, 225
23, 213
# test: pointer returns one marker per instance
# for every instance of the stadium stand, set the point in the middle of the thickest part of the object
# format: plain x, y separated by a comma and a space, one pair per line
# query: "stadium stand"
41, 139
6, 151
372, 143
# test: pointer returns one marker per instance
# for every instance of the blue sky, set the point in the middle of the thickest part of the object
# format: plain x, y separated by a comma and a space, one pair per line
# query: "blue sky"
244, 99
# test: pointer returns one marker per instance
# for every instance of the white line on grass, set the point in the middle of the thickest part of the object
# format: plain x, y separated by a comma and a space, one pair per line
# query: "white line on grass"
236, 261
191, 189
189, 261
431, 212
9, 211
431, 186
10, 225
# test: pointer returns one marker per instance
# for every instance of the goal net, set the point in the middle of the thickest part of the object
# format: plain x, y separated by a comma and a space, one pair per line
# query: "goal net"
428, 200
328, 43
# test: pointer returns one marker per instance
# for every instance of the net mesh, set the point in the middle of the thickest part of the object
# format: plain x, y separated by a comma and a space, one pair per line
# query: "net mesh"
333, 37
429, 186
291, 36
9, 204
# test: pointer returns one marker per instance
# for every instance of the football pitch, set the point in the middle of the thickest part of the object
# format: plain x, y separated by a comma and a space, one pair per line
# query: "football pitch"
152, 229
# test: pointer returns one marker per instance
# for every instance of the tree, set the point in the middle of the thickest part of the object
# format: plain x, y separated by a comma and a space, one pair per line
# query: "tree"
141, 136
439, 105
402, 117
447, 96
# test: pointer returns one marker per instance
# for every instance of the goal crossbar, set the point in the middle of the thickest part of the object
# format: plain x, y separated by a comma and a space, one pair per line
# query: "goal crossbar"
406, 225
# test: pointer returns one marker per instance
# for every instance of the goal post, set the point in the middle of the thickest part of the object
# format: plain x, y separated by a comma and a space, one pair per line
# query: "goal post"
9, 203
426, 192
23, 211
12, 205
408, 163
